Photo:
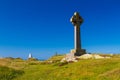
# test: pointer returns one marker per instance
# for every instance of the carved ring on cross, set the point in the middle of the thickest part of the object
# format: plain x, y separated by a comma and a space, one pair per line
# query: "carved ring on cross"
76, 19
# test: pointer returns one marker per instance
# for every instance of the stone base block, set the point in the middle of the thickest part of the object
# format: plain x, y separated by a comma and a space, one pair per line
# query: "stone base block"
78, 52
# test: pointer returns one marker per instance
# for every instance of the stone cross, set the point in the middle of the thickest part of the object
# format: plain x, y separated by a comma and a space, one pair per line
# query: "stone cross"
77, 20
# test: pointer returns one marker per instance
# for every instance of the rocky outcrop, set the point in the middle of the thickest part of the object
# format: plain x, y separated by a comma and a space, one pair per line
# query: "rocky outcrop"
71, 58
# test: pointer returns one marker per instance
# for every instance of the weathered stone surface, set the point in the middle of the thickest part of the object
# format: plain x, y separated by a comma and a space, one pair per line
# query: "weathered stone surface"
71, 58
85, 56
92, 56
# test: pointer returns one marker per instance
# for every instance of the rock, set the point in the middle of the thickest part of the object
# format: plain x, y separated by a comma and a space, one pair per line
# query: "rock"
86, 56
98, 56
71, 58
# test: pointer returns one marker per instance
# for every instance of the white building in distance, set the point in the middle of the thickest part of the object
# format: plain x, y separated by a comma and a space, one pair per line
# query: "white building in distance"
30, 56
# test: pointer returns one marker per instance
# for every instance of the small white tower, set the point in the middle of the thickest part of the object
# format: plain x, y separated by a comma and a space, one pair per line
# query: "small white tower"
30, 55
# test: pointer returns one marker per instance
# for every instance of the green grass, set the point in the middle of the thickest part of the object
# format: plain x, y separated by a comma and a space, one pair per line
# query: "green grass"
91, 69
9, 73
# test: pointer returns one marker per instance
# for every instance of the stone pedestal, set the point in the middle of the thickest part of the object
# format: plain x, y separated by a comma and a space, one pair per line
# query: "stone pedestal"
78, 52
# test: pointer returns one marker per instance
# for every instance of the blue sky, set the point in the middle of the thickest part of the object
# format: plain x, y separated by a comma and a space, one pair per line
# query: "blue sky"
42, 27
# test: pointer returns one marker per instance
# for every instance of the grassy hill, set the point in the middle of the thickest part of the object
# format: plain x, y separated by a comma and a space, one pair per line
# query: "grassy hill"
52, 69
